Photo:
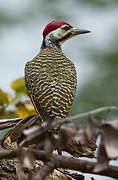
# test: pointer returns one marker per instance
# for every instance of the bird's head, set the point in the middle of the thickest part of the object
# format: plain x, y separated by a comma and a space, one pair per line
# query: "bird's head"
58, 32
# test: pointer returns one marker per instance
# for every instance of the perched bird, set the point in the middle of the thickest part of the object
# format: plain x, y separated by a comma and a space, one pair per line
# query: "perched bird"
51, 78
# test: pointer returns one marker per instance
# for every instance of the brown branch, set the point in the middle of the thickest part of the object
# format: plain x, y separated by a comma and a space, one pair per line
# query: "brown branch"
95, 111
7, 123
84, 166
77, 116
9, 154
50, 125
55, 161
44, 171
46, 126
10, 120
62, 162
78, 165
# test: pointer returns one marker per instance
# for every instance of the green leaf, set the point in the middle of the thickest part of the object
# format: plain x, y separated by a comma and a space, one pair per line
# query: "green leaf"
16, 99
19, 86
3, 98
8, 114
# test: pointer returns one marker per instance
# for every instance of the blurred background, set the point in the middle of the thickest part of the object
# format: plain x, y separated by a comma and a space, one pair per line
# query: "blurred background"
95, 55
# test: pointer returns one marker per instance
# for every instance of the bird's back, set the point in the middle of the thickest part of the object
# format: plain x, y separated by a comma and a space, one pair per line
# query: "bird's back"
51, 82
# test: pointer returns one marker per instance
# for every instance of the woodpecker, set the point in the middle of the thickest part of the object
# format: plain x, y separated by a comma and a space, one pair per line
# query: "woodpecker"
51, 78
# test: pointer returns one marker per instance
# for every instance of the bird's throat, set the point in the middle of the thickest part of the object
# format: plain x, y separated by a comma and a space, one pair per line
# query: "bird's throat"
50, 42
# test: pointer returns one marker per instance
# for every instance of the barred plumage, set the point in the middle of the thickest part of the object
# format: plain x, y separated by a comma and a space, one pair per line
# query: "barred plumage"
50, 77
51, 81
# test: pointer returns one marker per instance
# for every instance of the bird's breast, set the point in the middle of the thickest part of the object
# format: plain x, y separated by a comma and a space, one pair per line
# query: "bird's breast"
54, 83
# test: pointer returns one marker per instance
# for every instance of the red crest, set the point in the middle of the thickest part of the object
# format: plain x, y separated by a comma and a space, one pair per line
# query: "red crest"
53, 25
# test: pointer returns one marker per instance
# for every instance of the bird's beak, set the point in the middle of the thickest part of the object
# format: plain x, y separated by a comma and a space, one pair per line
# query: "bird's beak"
76, 31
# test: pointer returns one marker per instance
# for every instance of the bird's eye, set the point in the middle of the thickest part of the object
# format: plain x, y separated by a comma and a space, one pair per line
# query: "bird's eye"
65, 27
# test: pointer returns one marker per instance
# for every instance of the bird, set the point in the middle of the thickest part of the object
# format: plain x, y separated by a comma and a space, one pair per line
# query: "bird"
50, 77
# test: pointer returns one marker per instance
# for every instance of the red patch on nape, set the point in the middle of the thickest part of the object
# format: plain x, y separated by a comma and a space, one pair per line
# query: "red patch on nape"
53, 25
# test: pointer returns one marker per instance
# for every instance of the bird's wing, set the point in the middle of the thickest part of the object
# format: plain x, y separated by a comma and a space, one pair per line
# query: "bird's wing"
51, 84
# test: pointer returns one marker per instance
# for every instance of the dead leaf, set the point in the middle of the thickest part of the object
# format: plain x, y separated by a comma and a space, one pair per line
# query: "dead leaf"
109, 133
25, 109
102, 159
